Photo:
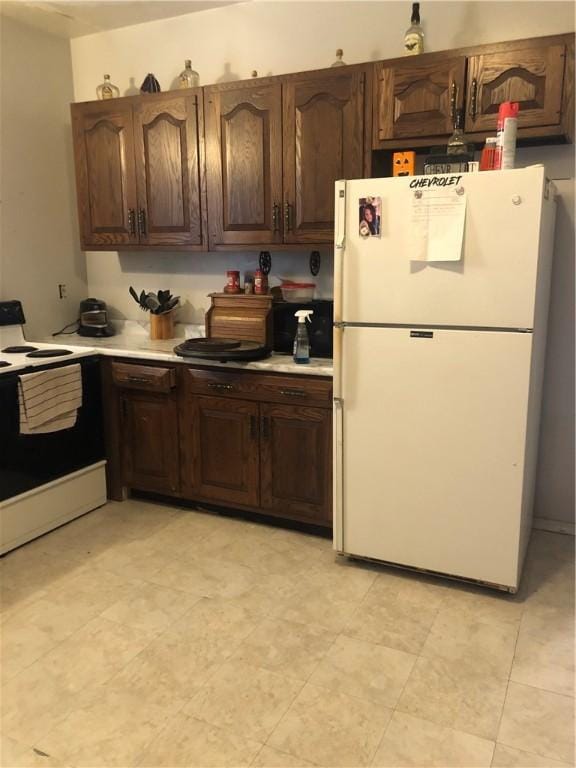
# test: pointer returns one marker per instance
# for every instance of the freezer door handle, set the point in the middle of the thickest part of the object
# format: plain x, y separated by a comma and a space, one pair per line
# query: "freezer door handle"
340, 214
339, 241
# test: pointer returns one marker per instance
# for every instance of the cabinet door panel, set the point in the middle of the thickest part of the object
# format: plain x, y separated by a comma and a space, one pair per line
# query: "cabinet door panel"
150, 442
532, 76
221, 451
323, 130
416, 100
168, 132
244, 163
296, 462
105, 174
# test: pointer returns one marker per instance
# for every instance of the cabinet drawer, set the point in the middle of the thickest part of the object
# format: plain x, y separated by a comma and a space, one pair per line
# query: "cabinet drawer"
255, 386
143, 377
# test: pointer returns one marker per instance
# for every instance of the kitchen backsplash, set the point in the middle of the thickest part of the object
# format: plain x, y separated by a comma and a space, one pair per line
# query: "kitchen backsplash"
192, 276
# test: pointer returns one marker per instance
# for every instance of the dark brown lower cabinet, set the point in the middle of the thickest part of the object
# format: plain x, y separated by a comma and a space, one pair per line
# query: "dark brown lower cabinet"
221, 446
149, 441
296, 461
255, 441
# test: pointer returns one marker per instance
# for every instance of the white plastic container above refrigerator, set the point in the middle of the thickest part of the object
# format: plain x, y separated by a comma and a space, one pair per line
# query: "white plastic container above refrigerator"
438, 378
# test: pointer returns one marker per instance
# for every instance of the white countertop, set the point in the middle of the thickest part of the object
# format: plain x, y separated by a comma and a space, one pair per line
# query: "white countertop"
133, 342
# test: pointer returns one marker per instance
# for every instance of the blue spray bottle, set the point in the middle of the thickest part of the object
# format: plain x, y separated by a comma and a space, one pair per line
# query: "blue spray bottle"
301, 340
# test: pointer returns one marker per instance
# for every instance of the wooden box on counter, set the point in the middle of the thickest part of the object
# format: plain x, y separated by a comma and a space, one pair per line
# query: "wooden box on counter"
246, 317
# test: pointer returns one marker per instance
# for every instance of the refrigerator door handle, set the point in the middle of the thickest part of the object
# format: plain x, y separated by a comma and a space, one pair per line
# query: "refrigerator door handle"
338, 416
337, 476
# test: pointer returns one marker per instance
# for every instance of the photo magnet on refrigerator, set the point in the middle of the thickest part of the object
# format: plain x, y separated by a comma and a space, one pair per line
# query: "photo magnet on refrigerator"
370, 213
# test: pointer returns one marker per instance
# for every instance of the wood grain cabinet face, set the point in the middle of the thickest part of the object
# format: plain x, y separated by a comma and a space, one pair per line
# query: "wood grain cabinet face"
140, 171
221, 446
296, 461
244, 163
415, 99
149, 442
169, 170
323, 141
532, 76
106, 188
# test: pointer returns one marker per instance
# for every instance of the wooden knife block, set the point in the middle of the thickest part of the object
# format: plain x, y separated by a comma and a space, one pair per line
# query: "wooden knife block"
245, 317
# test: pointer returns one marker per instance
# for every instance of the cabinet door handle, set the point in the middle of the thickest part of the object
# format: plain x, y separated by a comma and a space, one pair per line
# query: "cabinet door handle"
220, 387
473, 98
276, 217
287, 217
265, 427
293, 392
253, 427
453, 94
142, 222
132, 222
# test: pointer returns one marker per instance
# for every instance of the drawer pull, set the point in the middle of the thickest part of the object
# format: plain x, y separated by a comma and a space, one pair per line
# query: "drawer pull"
287, 217
142, 222
453, 94
139, 380
473, 99
293, 392
265, 427
221, 387
132, 222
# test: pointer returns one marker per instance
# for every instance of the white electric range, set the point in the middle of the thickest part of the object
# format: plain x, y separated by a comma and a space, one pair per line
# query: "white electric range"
50, 478
17, 354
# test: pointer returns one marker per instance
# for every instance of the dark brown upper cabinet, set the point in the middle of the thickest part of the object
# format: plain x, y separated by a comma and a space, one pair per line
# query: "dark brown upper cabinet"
532, 75
105, 172
417, 98
140, 172
324, 118
274, 149
244, 162
169, 169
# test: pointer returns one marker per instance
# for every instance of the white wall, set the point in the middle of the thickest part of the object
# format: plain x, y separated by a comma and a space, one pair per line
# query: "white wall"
39, 236
279, 37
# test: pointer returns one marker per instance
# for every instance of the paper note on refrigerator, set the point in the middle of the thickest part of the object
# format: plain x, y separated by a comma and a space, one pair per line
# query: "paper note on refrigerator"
437, 224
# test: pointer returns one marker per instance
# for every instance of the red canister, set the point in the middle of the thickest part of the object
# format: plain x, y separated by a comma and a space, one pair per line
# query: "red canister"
260, 282
232, 281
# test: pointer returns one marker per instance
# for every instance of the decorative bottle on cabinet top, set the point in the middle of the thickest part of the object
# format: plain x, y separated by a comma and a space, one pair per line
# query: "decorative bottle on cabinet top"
457, 144
189, 78
150, 84
339, 62
414, 37
107, 90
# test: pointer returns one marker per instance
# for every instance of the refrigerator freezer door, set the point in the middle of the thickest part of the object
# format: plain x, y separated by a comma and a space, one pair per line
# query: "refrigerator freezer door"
433, 449
493, 285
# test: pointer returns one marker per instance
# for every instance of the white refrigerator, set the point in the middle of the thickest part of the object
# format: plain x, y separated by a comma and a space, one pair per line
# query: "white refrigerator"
438, 369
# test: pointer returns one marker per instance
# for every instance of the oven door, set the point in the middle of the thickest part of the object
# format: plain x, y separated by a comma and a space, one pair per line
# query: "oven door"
29, 461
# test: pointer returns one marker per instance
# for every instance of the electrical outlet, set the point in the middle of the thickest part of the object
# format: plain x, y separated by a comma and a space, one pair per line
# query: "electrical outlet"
62, 291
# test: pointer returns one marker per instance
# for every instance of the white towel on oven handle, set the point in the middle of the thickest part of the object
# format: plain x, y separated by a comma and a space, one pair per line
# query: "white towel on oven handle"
49, 400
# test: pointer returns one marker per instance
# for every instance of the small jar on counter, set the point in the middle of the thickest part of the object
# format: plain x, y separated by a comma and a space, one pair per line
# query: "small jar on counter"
248, 284
232, 281
260, 283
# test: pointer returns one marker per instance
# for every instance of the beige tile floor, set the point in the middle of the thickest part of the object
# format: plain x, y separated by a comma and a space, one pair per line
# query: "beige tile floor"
144, 635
